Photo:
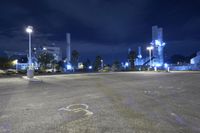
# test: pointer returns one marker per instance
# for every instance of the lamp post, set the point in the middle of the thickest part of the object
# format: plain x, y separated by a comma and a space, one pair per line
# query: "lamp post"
15, 63
102, 64
30, 71
150, 48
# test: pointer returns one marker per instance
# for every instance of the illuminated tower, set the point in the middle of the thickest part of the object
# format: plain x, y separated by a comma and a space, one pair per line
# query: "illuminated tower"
139, 52
68, 39
158, 44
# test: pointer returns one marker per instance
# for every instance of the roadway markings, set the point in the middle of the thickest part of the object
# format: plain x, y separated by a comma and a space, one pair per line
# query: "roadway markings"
77, 108
178, 119
32, 79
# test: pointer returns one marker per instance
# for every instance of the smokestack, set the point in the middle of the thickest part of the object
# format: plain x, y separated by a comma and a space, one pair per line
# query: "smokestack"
68, 39
129, 50
139, 52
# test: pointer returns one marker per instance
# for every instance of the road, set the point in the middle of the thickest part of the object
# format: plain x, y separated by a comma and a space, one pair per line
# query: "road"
132, 102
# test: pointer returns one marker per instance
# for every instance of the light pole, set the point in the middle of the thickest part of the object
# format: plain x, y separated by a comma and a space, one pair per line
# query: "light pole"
150, 48
102, 64
30, 71
15, 63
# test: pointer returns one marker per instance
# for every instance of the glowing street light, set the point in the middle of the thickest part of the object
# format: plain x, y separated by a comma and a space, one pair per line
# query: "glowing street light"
30, 71
29, 29
150, 48
90, 67
44, 48
15, 63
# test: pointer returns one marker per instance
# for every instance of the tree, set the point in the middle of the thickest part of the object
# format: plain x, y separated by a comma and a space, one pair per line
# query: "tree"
54, 64
97, 63
5, 63
59, 65
86, 64
116, 65
175, 59
45, 58
75, 57
131, 59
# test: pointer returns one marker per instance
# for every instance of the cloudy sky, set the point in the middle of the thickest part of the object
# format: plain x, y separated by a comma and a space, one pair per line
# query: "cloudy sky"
101, 27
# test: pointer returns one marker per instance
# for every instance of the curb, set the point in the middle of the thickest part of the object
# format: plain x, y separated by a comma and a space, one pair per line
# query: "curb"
31, 79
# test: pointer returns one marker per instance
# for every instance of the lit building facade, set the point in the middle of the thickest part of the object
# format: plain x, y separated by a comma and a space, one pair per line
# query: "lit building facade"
55, 51
196, 59
139, 61
158, 46
22, 59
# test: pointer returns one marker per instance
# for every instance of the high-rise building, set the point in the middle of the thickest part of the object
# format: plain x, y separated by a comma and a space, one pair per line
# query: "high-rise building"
158, 45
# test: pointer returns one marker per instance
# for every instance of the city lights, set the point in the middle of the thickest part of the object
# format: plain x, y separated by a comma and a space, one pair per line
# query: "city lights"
86, 66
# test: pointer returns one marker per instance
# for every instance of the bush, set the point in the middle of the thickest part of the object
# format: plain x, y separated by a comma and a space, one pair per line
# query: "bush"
2, 72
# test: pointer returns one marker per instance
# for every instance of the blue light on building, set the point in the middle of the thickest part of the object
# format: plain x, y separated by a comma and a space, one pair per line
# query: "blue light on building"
69, 67
156, 51
126, 64
158, 44
166, 65
157, 64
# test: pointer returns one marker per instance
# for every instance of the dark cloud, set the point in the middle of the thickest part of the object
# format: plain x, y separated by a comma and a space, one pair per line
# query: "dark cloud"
108, 20
100, 25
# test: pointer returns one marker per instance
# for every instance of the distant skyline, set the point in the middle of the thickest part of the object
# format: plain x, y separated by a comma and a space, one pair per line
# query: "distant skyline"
101, 27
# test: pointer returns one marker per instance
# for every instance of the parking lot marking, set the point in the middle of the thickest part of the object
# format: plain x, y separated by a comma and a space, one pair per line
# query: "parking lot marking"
77, 108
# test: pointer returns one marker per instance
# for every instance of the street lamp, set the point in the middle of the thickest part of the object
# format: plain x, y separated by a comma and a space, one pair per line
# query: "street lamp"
44, 48
30, 71
102, 64
15, 63
150, 48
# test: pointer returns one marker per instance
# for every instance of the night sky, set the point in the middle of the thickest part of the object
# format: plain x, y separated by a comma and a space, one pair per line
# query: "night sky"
101, 27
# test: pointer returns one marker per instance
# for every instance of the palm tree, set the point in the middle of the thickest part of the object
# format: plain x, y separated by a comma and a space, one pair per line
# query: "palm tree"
131, 59
75, 57
116, 65
97, 63
86, 64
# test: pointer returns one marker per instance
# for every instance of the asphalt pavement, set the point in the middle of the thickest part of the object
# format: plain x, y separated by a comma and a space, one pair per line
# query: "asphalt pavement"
127, 102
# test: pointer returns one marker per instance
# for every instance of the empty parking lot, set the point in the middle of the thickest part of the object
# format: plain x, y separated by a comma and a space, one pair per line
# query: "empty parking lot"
102, 103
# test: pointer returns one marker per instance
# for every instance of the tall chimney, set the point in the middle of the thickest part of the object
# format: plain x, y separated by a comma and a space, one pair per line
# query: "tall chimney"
68, 39
139, 52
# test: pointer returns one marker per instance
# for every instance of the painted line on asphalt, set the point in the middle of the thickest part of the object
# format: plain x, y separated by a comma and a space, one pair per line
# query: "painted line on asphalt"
77, 108
35, 79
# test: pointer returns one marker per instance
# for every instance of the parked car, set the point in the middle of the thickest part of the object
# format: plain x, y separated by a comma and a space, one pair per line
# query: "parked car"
11, 71
50, 70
